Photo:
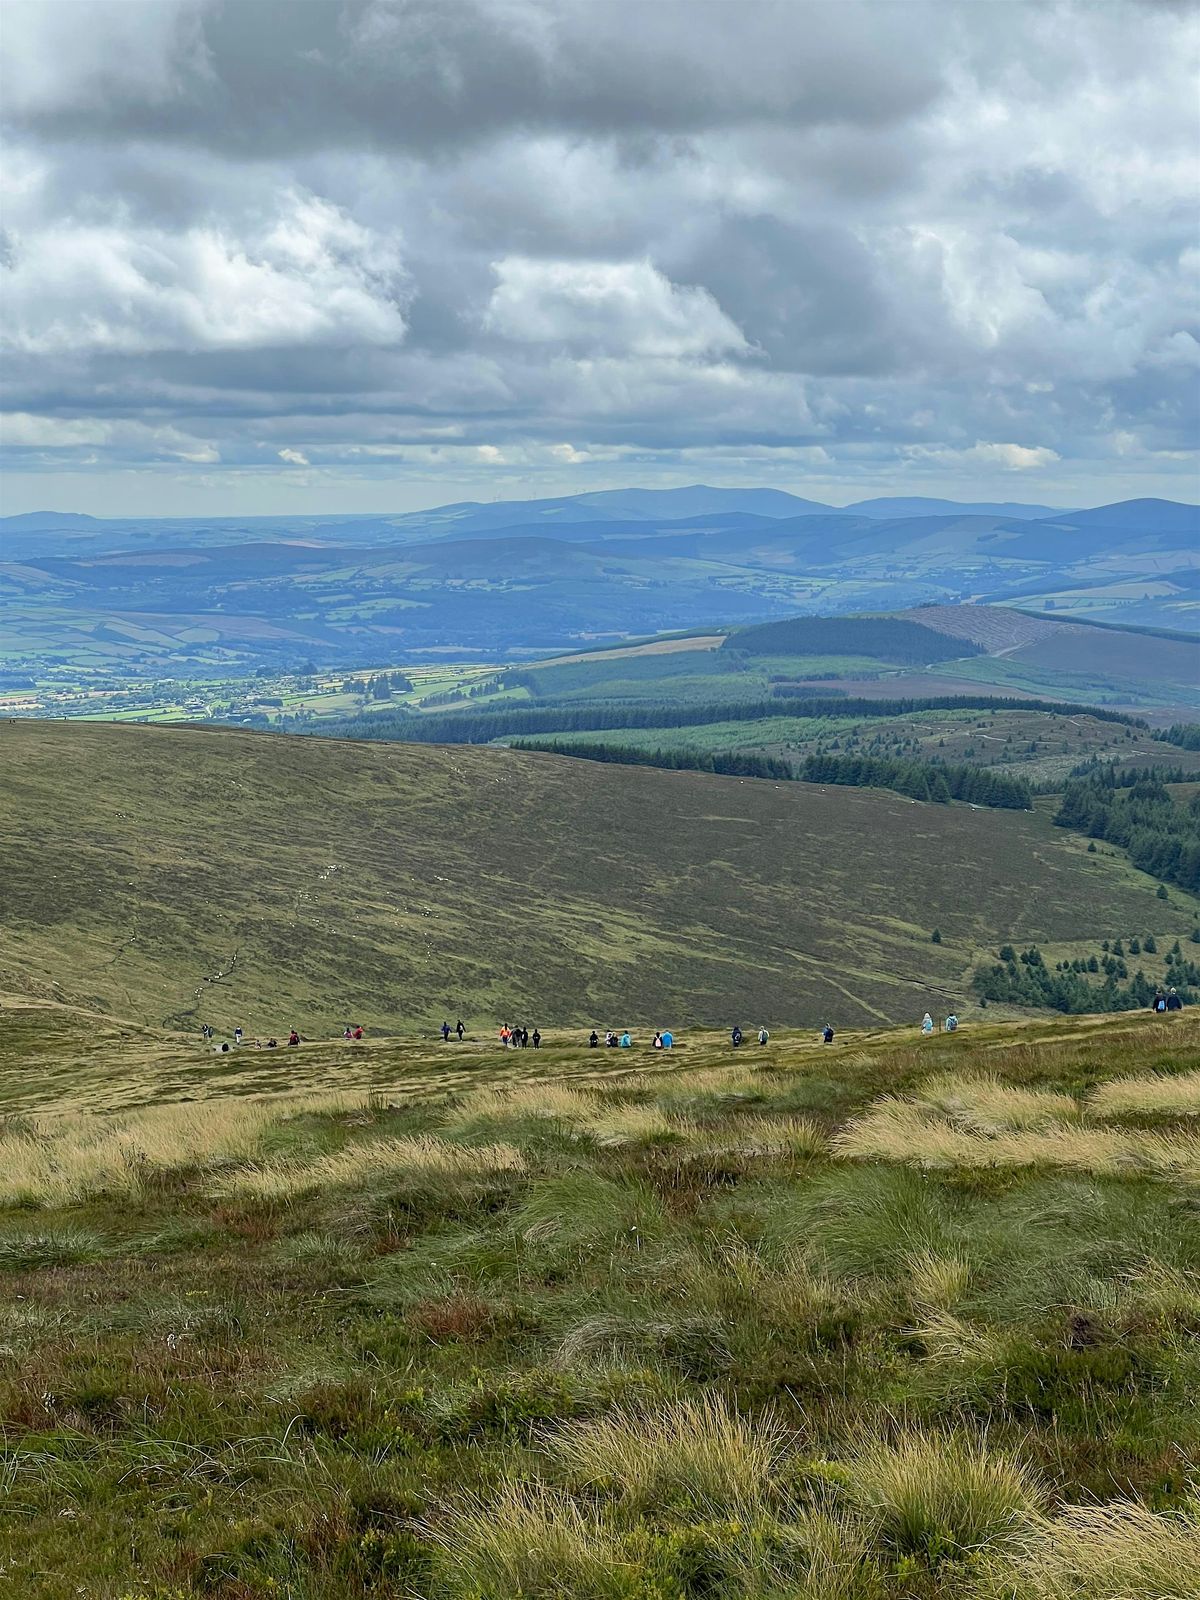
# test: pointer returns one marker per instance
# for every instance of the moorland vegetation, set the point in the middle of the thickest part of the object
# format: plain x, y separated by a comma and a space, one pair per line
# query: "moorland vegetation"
893, 1319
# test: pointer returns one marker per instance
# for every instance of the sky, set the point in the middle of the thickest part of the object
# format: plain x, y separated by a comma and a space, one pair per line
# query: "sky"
274, 256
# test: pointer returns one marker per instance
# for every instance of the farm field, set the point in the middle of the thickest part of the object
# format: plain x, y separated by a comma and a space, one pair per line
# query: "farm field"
889, 1319
180, 875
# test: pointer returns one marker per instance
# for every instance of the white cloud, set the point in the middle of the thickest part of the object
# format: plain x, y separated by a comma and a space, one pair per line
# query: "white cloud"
312, 276
295, 458
609, 307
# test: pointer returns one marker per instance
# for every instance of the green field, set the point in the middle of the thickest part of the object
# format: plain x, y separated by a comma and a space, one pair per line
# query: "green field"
186, 875
889, 1319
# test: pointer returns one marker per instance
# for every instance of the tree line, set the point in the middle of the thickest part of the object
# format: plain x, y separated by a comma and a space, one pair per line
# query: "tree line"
482, 726
1161, 837
1186, 735
919, 780
922, 780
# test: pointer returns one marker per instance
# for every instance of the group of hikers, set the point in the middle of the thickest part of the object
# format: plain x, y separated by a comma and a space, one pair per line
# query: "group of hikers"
521, 1038
511, 1038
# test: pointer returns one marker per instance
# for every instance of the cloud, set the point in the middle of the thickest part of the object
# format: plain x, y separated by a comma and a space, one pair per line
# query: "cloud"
310, 276
595, 307
837, 246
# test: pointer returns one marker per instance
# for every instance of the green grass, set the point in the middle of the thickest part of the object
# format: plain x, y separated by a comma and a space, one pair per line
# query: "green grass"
174, 876
716, 1368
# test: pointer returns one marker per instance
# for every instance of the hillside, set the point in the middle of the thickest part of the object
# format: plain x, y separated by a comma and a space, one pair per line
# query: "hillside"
183, 875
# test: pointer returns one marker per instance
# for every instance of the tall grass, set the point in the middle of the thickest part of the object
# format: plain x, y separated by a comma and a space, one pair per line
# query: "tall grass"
986, 1105
1148, 1095
366, 1163
902, 1131
1119, 1551
529, 1542
697, 1455
936, 1493
57, 1163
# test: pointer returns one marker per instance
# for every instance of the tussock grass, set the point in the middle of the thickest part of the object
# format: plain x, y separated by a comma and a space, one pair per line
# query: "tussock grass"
582, 1211
930, 1492
901, 1131
420, 1158
985, 1105
937, 1280
54, 1247
529, 1541
698, 1455
772, 1136
1148, 1095
59, 1163
1119, 1551
541, 1102
580, 1114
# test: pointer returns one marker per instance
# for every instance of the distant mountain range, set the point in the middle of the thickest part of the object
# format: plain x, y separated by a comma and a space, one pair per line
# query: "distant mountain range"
513, 578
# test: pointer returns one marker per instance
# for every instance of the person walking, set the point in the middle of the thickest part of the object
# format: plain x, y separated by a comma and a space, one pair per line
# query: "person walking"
927, 1024
445, 1032
826, 1034
593, 1039
763, 1036
459, 1030
736, 1036
668, 1038
537, 1040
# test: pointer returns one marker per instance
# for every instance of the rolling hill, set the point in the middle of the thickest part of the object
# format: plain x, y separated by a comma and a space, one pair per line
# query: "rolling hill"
180, 875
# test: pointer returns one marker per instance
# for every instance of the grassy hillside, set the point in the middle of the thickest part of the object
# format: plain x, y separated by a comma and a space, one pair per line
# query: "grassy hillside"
180, 875
889, 1319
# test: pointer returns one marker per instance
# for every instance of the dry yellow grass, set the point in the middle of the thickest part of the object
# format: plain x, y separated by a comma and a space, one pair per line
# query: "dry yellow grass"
900, 1130
1120, 1551
1151, 1095
698, 1453
582, 1114
60, 1162
988, 1106
548, 1102
367, 1162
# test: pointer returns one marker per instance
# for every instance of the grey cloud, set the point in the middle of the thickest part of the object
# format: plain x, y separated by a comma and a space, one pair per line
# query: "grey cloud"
578, 235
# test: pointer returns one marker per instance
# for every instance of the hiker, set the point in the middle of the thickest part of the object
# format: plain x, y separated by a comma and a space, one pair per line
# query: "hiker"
593, 1040
826, 1034
358, 1033
445, 1032
459, 1029
626, 1041
237, 1036
610, 1039
293, 1037
763, 1036
951, 1023
927, 1024
537, 1040
505, 1034
206, 1032
1174, 1003
736, 1036
348, 1032
668, 1038
657, 1042
272, 1044
1160, 1002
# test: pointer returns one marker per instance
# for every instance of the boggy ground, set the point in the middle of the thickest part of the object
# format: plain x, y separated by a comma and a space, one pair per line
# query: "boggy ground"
890, 1318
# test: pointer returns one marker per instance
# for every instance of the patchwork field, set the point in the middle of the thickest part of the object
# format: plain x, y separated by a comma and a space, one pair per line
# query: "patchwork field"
888, 1319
